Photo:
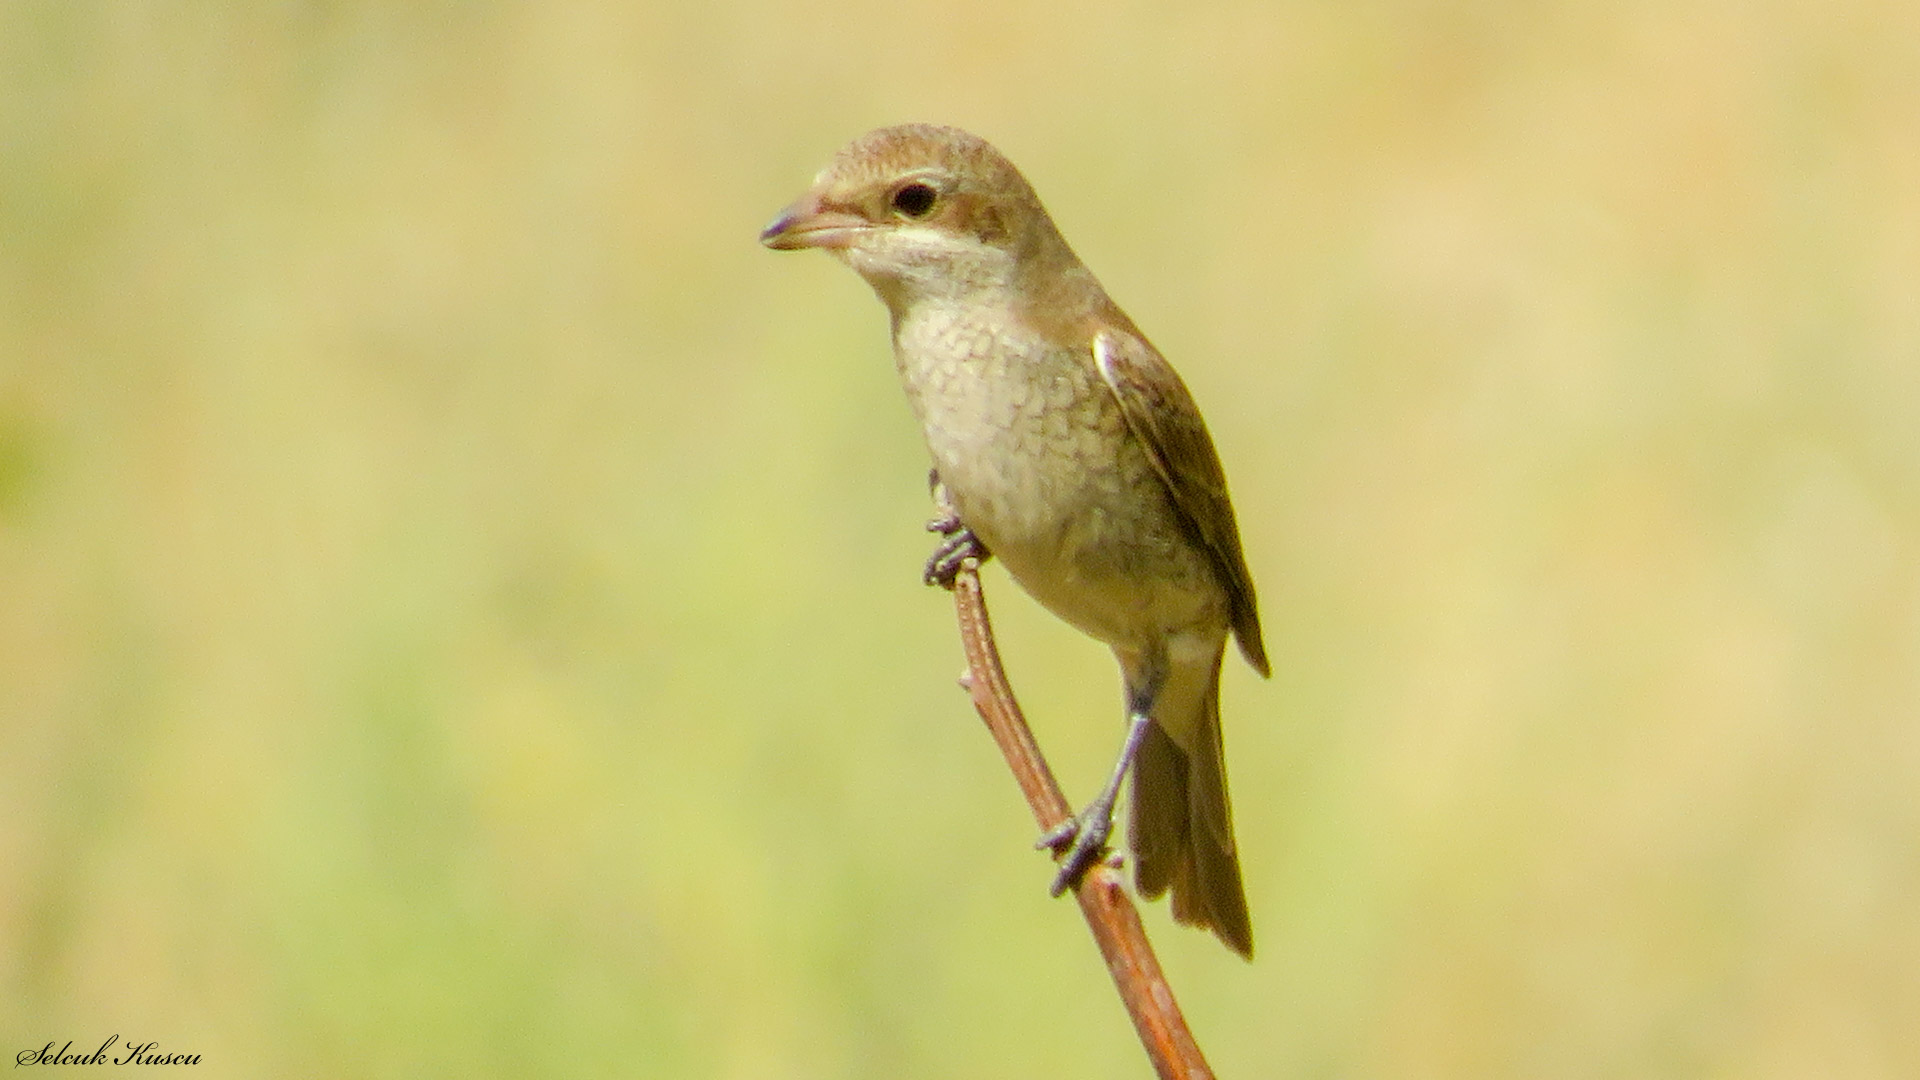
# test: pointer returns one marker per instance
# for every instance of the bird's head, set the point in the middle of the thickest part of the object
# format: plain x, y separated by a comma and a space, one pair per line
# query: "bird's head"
923, 211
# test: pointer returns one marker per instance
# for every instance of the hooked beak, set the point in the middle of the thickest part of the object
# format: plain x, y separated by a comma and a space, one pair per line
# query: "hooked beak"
806, 224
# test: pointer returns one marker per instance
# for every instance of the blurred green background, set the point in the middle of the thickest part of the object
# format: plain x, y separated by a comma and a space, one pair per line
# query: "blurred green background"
458, 593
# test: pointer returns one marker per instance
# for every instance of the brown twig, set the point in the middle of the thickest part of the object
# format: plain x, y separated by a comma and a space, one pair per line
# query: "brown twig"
1103, 899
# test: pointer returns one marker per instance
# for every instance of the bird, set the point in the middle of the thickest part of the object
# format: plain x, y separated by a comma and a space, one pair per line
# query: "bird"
1071, 451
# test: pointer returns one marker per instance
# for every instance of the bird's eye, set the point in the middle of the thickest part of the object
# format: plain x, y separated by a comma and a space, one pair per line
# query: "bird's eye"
914, 200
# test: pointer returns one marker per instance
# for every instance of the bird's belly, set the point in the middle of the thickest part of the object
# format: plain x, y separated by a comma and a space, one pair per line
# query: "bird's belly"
1030, 443
1086, 528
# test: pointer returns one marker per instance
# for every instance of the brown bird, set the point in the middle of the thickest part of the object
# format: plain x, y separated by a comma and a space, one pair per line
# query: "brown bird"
1071, 450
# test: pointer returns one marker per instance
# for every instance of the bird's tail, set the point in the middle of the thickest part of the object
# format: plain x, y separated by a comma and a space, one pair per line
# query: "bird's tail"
1181, 829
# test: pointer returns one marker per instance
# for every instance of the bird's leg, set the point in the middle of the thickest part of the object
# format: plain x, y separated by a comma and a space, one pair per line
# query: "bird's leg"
1088, 830
1084, 835
957, 543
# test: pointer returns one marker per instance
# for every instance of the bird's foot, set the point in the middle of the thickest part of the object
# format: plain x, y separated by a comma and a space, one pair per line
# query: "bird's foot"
957, 545
1083, 837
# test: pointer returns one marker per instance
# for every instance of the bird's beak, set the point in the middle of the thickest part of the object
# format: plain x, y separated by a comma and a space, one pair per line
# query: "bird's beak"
807, 224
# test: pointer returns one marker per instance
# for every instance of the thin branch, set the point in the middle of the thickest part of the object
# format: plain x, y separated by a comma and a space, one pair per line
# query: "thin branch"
1103, 899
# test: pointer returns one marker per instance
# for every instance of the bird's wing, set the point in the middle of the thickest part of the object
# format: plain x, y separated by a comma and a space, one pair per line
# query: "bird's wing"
1161, 414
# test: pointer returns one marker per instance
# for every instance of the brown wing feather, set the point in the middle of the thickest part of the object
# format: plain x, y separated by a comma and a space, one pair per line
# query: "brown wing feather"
1160, 412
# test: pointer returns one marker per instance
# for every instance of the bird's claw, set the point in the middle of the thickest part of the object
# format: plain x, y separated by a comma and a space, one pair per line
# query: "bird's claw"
957, 545
1084, 839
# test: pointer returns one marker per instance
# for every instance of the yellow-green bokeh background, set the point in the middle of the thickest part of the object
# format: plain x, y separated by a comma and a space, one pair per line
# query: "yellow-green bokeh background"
458, 601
